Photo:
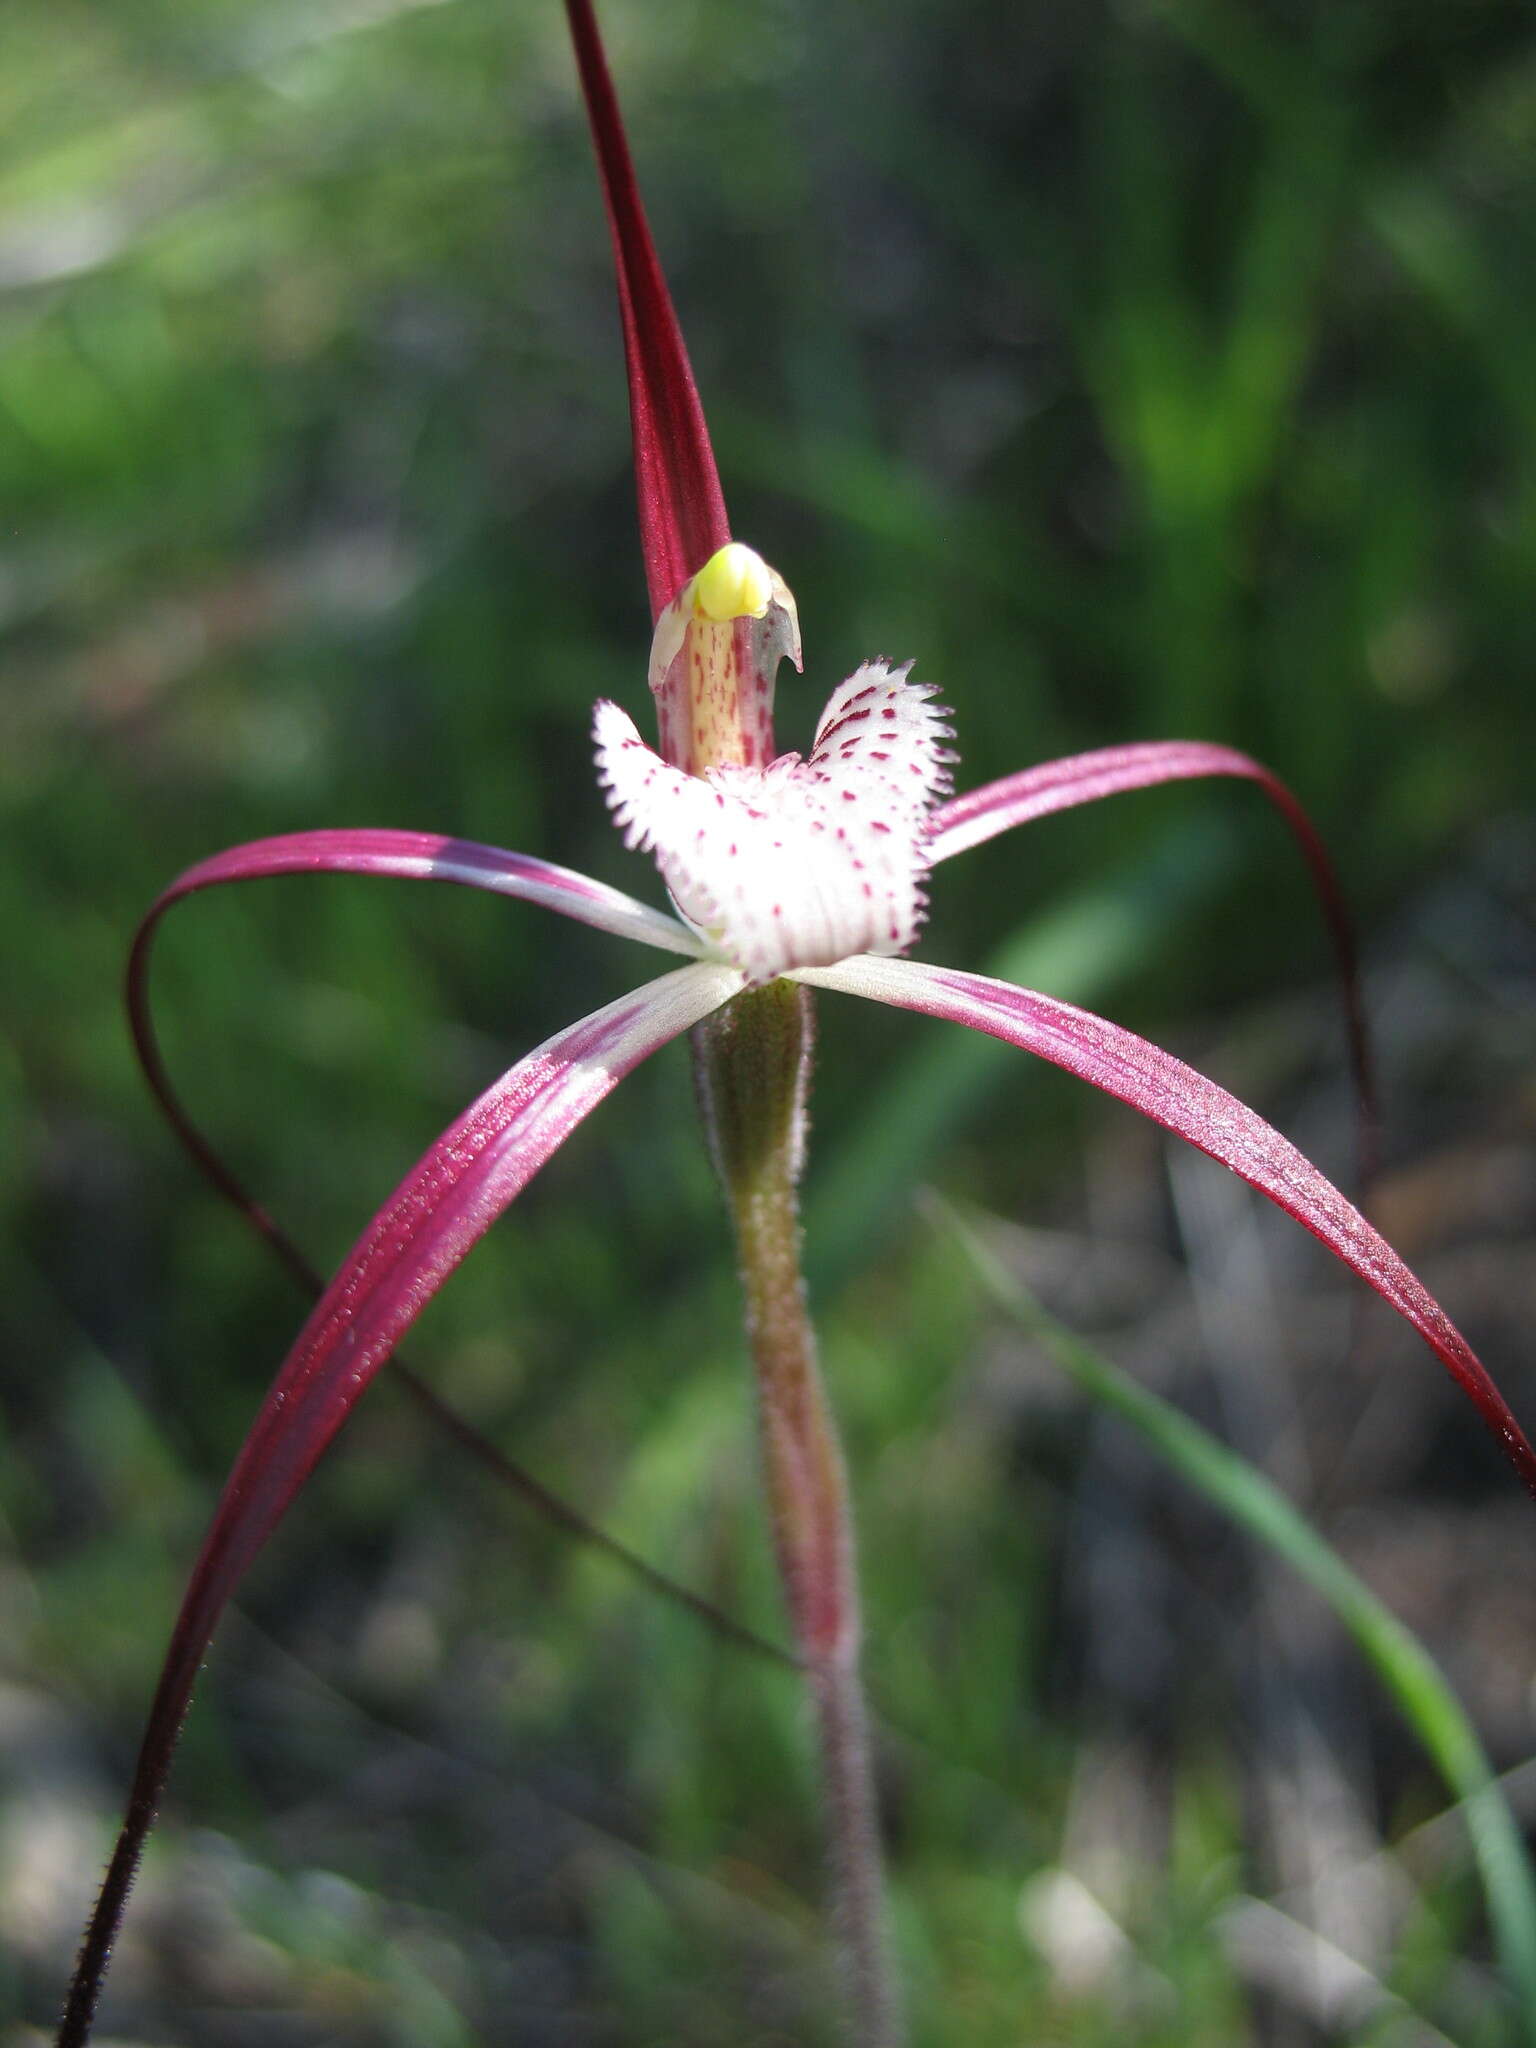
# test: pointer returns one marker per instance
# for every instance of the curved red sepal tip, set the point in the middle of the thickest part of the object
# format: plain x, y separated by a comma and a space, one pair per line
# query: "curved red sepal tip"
682, 511
980, 814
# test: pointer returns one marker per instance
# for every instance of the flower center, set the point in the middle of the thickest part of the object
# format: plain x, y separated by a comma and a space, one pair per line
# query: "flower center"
799, 863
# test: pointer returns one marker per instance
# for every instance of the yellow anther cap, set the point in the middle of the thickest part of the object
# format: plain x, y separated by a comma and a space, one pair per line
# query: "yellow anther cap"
736, 583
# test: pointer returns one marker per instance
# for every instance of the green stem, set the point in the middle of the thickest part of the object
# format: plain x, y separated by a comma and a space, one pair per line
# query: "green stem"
753, 1067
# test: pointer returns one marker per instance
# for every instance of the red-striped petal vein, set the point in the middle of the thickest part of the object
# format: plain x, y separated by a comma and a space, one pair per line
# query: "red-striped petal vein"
440, 1210
1192, 1107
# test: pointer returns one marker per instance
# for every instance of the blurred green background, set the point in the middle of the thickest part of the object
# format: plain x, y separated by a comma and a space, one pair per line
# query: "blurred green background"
1160, 370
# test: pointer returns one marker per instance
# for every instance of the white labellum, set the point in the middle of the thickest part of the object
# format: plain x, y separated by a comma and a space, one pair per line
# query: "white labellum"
805, 862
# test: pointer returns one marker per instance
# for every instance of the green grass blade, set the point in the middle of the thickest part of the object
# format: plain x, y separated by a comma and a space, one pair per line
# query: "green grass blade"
1421, 1692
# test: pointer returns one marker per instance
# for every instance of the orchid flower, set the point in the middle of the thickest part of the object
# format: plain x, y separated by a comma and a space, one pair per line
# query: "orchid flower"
787, 873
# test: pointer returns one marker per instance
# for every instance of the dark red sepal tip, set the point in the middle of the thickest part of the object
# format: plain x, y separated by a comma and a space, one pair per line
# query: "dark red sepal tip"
682, 512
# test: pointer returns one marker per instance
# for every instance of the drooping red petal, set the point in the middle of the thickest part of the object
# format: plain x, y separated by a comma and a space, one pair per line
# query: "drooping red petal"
440, 1210
411, 854
415, 856
682, 512
1192, 1107
1109, 771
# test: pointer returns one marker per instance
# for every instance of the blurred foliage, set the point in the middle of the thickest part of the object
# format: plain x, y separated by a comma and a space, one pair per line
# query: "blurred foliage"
1160, 369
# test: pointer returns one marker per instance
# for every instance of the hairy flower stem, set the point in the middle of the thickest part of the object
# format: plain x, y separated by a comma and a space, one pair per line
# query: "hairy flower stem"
753, 1062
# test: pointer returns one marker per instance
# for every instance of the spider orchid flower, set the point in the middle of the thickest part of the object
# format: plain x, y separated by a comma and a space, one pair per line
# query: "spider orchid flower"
787, 873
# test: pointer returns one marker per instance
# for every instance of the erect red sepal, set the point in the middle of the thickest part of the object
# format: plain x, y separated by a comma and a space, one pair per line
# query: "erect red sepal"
682, 513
